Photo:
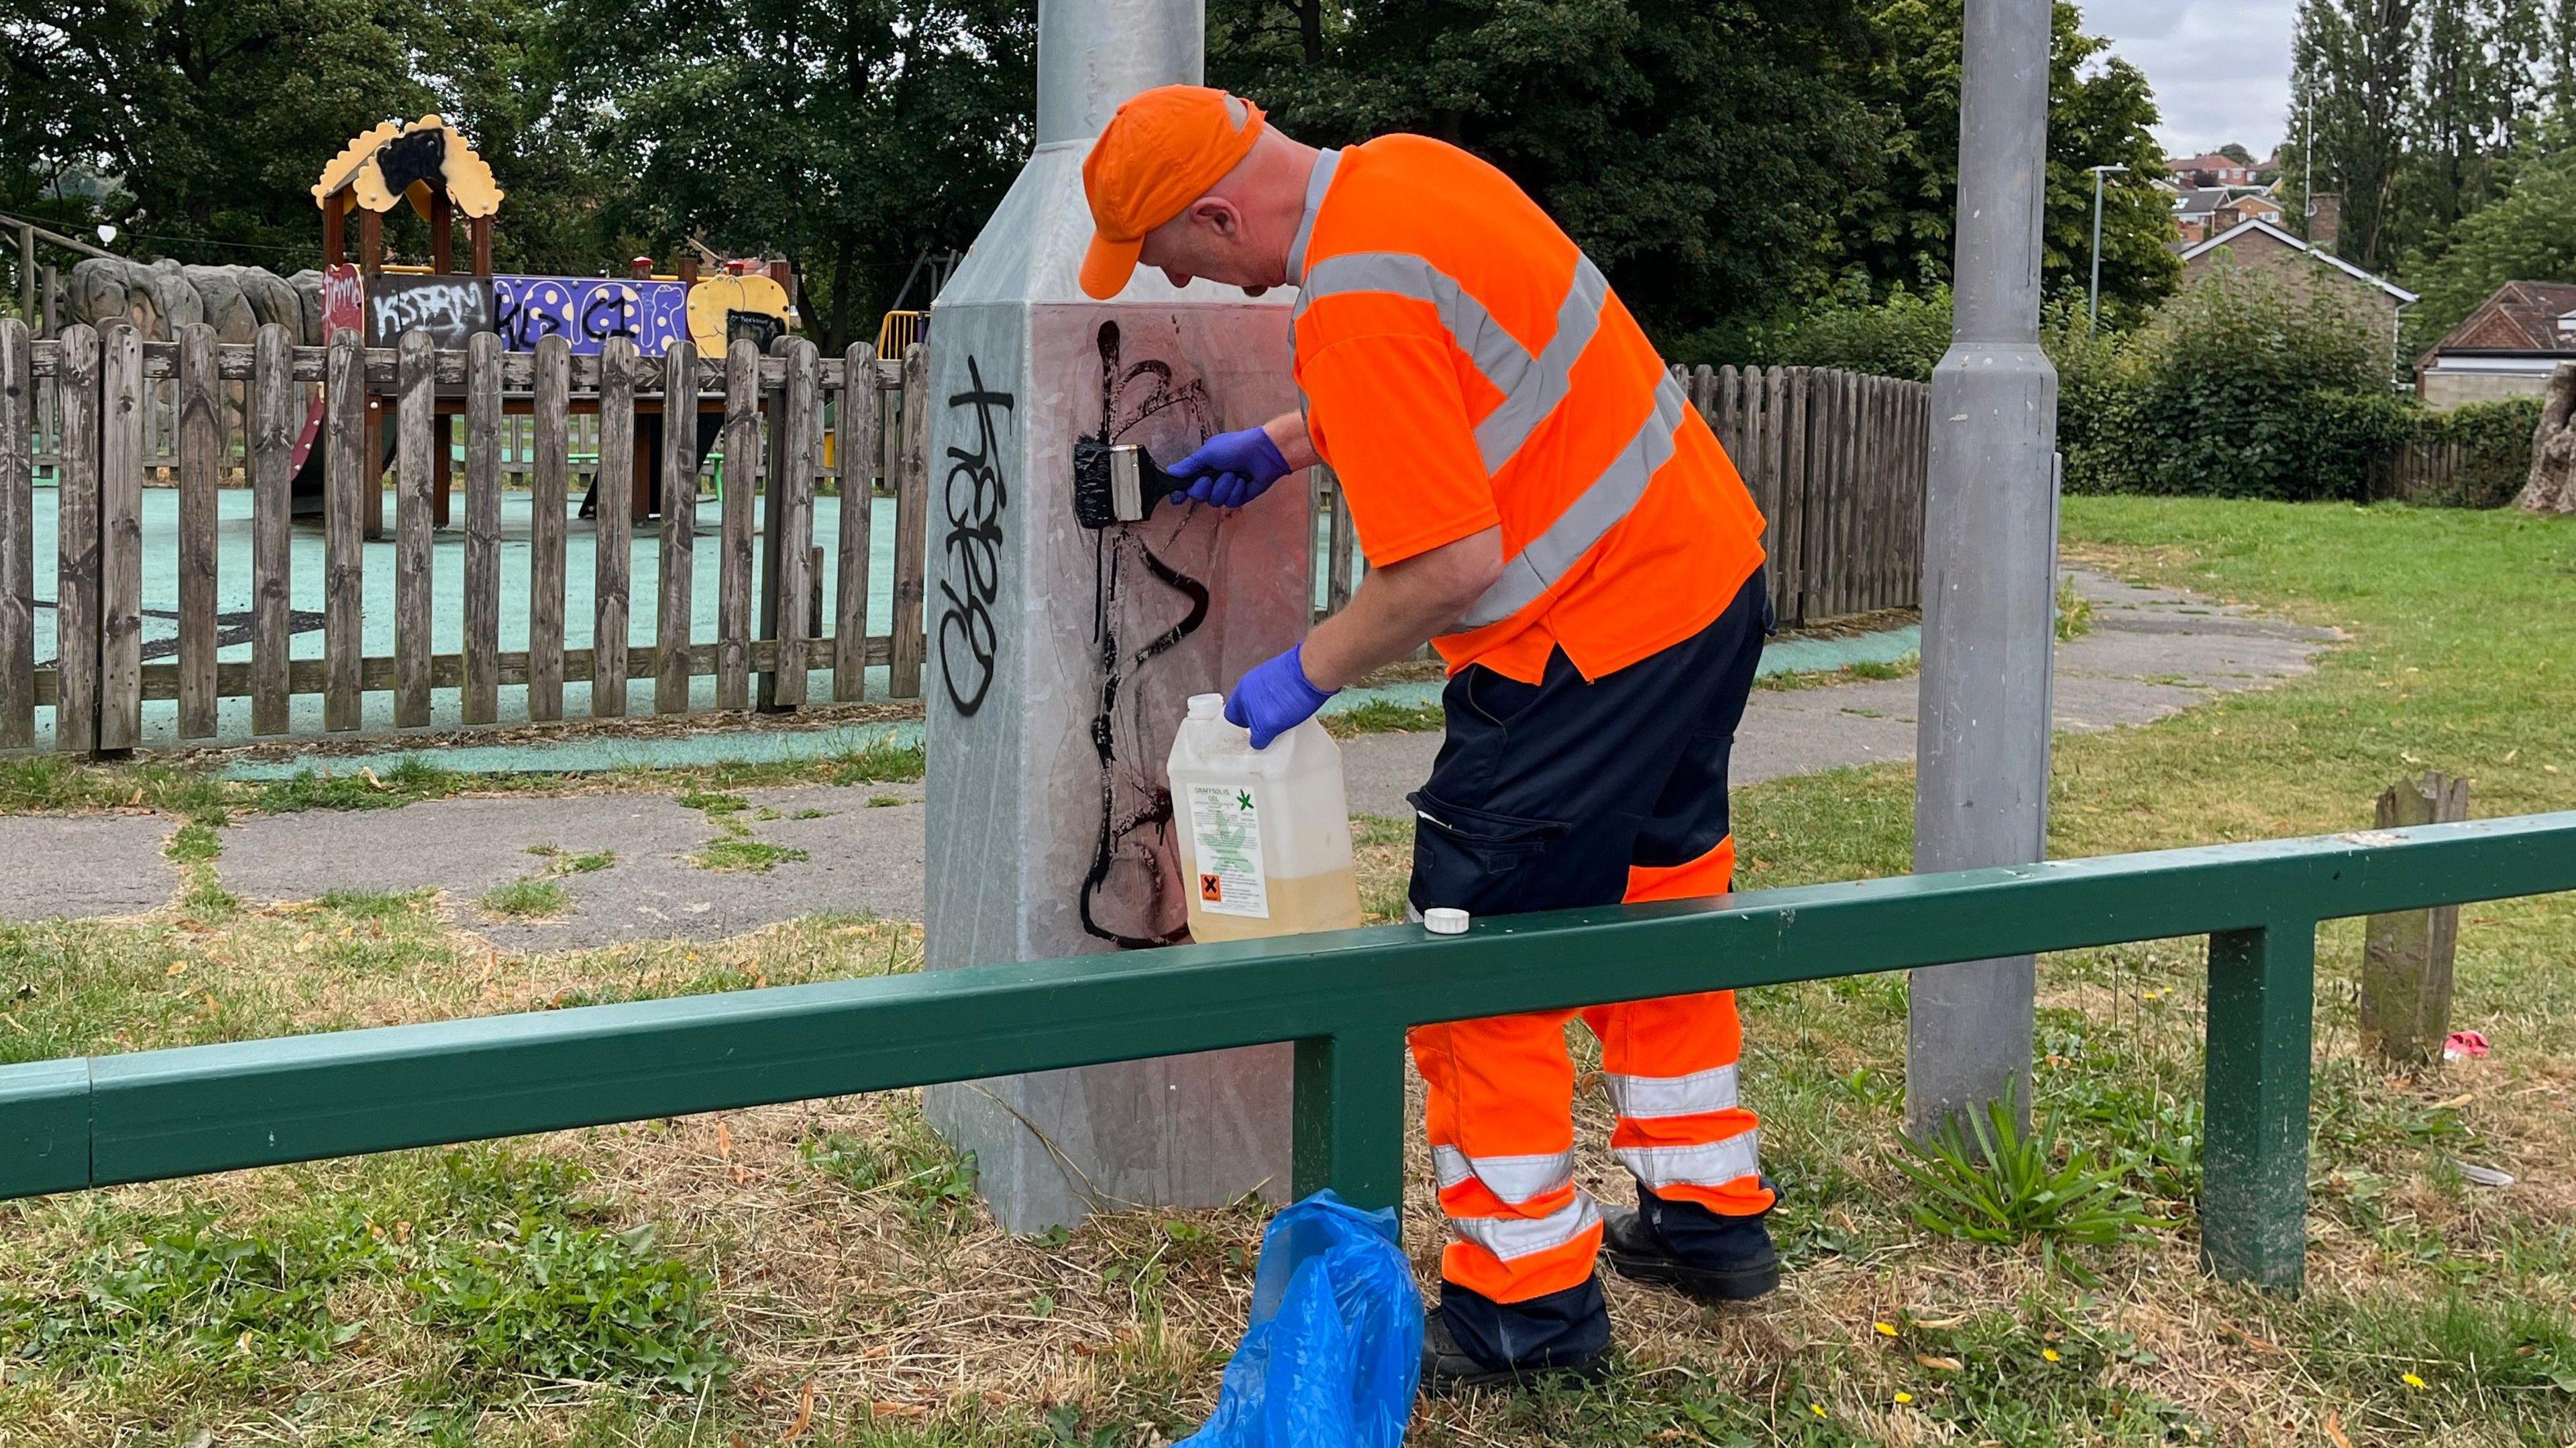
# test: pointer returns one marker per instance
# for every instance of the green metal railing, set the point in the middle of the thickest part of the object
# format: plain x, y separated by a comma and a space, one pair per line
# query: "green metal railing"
1344, 998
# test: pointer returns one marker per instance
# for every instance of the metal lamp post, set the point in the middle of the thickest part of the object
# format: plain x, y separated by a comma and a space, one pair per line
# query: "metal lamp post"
2093, 314
1989, 570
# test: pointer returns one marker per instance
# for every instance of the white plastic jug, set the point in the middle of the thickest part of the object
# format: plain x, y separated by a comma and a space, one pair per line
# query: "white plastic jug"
1265, 833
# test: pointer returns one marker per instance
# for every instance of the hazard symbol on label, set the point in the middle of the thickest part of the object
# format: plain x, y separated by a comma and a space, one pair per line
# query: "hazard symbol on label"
1212, 889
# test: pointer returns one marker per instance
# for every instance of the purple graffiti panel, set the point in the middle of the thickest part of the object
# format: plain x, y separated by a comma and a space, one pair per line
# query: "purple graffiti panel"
587, 311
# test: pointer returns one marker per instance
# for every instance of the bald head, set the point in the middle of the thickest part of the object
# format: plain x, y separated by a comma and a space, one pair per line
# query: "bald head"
1239, 232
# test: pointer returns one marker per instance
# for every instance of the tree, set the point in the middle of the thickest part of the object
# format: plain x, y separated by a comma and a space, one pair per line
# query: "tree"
2237, 153
502, 70
2529, 235
2353, 62
1697, 151
211, 116
850, 136
2411, 110
1897, 232
2477, 78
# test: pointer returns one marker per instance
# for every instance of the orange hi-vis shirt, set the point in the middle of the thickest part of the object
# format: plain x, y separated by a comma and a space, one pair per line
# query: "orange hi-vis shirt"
1462, 365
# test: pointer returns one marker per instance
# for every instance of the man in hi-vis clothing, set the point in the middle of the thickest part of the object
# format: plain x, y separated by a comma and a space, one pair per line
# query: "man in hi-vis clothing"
1535, 497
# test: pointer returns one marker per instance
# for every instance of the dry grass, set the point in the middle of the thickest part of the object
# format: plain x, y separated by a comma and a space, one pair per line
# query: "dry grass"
869, 1307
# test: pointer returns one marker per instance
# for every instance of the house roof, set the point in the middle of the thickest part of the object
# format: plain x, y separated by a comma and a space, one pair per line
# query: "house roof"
2255, 225
2207, 161
2202, 200
2520, 317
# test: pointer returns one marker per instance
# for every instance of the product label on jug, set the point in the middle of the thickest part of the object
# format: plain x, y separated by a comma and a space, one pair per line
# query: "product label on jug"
1225, 822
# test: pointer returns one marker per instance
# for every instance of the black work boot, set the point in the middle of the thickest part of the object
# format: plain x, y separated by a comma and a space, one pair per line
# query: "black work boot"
1472, 1341
1704, 1255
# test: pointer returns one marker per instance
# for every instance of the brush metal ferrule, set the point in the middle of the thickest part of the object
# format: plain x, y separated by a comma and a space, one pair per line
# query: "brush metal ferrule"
1126, 484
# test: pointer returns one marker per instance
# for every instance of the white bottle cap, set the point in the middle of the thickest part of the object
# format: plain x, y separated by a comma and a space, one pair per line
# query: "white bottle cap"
1207, 706
1441, 920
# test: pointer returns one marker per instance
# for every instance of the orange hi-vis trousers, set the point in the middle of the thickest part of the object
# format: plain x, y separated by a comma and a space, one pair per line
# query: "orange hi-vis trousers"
1591, 792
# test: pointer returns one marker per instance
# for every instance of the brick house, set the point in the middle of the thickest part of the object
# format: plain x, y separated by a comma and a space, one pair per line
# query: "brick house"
2210, 168
2305, 272
2201, 212
2506, 348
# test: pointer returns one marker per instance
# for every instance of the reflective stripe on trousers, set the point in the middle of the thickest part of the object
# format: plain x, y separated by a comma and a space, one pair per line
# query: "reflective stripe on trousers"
1640, 1097
1532, 385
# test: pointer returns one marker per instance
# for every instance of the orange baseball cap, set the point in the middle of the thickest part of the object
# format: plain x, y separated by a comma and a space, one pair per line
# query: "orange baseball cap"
1160, 152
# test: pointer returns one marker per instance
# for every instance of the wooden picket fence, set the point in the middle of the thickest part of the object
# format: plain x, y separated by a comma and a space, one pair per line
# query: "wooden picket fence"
765, 640
1837, 462
1835, 459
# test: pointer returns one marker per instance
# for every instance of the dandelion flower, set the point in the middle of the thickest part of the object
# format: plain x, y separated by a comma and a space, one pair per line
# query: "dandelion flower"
2412, 1381
1905, 1397
1885, 1329
2050, 1353
1816, 1408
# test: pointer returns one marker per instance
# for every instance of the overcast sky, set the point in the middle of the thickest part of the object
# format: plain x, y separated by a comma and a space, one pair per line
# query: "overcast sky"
2220, 68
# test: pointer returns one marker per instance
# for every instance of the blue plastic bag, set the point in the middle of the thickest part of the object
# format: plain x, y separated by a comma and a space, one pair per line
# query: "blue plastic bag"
1334, 1351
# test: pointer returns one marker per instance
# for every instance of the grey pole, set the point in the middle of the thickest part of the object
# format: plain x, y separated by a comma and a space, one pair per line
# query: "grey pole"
1989, 568
1062, 658
2093, 313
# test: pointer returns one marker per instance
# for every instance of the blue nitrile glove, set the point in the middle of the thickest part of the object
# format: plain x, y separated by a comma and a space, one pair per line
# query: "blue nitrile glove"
1273, 697
1230, 469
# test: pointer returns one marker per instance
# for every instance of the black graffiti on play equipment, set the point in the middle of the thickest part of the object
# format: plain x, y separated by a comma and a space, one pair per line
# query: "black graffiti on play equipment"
973, 495
1128, 396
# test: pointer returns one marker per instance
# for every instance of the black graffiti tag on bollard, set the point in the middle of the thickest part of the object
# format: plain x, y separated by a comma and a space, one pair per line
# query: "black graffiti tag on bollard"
974, 495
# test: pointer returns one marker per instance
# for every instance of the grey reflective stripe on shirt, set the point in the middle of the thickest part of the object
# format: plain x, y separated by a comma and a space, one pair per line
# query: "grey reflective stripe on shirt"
1316, 185
1530, 573
1649, 1098
1514, 1179
1533, 386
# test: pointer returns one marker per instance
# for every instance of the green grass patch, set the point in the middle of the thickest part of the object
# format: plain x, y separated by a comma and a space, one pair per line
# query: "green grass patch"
1384, 716
2074, 611
933, 1185
195, 843
739, 854
534, 898
485, 1267
1864, 671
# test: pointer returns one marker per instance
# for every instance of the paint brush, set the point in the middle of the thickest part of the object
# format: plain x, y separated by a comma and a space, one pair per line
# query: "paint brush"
1116, 483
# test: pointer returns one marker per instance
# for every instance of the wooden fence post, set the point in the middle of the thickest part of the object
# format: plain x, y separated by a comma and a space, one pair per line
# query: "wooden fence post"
480, 702
201, 443
855, 454
273, 427
348, 476
123, 398
76, 606
612, 543
17, 536
548, 488
415, 431
797, 426
911, 521
673, 665
2407, 956
733, 556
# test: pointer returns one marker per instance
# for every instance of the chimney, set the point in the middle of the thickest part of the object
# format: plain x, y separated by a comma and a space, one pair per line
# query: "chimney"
2325, 220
